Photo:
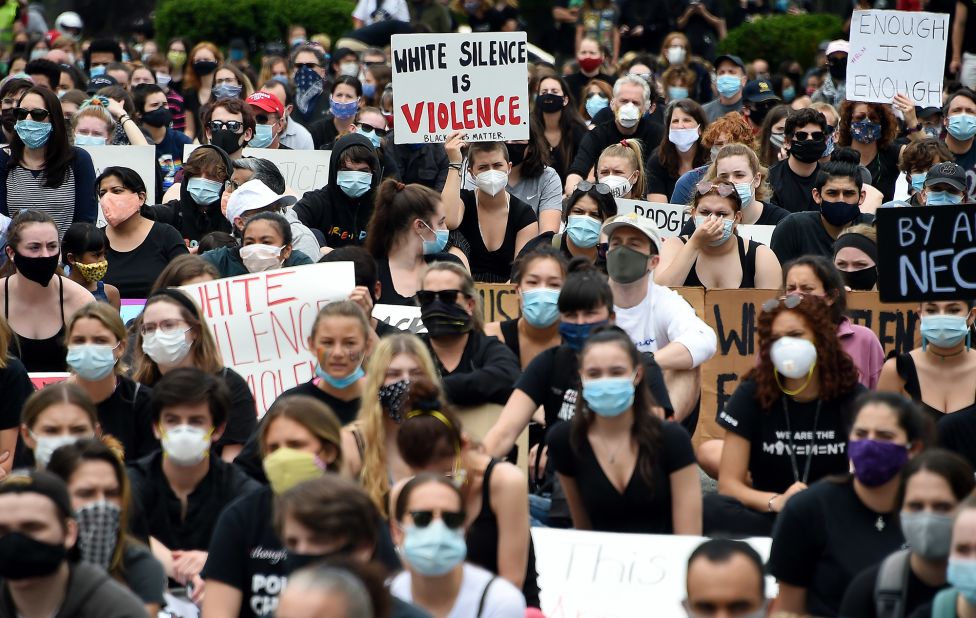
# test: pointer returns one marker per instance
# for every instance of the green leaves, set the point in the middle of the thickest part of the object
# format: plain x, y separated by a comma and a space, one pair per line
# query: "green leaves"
783, 37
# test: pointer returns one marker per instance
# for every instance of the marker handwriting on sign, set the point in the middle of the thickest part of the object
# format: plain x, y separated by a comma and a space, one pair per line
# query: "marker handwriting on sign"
944, 270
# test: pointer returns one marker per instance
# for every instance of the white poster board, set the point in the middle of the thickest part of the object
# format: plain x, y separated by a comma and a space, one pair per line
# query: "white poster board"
759, 233
606, 575
404, 317
262, 322
304, 170
475, 83
894, 52
141, 159
669, 218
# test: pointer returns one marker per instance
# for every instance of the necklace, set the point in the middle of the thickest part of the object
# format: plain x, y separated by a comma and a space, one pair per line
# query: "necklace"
880, 524
812, 447
612, 455
942, 357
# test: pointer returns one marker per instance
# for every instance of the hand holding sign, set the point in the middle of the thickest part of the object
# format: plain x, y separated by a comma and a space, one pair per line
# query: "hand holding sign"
455, 142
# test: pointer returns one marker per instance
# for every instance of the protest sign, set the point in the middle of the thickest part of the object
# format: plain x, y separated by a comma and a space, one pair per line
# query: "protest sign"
262, 322
759, 233
897, 52
499, 301
404, 317
669, 218
141, 159
928, 253
586, 574
130, 309
303, 170
474, 83
40, 379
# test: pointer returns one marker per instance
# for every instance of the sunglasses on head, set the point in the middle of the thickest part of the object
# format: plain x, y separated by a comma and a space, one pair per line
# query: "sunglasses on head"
586, 186
368, 128
802, 136
724, 189
791, 301
448, 297
452, 519
37, 113
234, 126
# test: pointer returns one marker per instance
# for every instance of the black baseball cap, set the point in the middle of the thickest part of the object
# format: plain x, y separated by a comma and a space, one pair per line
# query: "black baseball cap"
759, 91
39, 482
731, 58
947, 173
101, 81
928, 112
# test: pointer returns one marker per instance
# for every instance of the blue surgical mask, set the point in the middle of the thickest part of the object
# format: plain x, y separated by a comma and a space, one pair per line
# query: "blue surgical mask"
745, 192
281, 79
595, 104
944, 331
226, 91
942, 198
434, 549
263, 136
369, 90
373, 138
89, 140
789, 94
340, 383
540, 306
962, 126
203, 191
91, 362
34, 134
918, 181
728, 85
440, 240
962, 575
609, 397
677, 92
726, 229
575, 335
353, 183
583, 230
95, 71
343, 110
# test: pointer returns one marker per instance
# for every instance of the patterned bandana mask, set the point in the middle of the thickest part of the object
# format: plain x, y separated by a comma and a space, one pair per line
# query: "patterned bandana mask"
98, 532
391, 398
92, 272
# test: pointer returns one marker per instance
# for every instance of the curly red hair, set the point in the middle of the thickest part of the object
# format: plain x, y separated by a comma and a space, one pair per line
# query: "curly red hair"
882, 114
837, 372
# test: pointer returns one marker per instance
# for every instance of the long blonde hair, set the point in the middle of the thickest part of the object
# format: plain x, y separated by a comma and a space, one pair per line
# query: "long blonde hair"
374, 474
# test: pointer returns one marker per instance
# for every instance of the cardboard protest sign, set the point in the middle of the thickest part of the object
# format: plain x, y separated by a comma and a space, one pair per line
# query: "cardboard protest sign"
40, 379
585, 574
404, 317
894, 52
475, 83
141, 159
928, 253
759, 233
669, 218
262, 322
499, 301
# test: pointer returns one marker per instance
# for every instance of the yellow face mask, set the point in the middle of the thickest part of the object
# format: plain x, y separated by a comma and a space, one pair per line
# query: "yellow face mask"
287, 467
92, 272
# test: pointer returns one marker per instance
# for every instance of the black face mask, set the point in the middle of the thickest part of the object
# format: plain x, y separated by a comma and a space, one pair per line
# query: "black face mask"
36, 269
295, 561
758, 115
444, 320
391, 398
808, 151
8, 120
863, 279
204, 67
22, 557
516, 153
226, 140
549, 102
158, 117
838, 69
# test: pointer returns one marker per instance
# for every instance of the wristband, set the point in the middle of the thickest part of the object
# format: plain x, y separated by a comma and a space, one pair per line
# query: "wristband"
454, 166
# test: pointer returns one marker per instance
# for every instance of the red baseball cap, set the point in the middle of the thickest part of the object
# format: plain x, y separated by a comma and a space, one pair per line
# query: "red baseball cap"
267, 102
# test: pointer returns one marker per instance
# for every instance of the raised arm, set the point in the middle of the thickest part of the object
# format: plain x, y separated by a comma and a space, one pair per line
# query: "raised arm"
451, 193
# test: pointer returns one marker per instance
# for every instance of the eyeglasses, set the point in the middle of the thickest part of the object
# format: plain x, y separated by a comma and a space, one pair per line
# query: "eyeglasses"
803, 136
307, 65
791, 301
599, 187
370, 128
165, 325
452, 519
724, 189
448, 297
37, 113
234, 126
8, 102
231, 185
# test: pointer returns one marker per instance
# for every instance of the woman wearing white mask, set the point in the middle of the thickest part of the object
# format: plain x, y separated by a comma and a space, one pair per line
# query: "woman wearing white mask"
267, 244
172, 333
803, 385
54, 416
685, 121
495, 223
97, 341
707, 258
99, 490
621, 168
428, 528
932, 486
676, 51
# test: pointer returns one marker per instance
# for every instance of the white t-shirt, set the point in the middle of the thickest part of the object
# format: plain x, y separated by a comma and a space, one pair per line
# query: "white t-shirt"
664, 317
373, 11
502, 601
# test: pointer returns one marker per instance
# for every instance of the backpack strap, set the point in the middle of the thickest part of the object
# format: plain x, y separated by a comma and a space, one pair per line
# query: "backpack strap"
944, 604
891, 585
484, 595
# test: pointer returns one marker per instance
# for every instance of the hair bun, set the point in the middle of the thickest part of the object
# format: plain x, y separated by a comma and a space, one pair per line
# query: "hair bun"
845, 155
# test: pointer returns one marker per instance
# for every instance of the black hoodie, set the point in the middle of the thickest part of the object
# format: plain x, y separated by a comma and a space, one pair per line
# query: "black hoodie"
91, 593
192, 220
340, 218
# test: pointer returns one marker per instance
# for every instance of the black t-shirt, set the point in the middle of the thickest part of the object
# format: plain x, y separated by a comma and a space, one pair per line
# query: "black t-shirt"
16, 387
493, 266
792, 192
824, 537
388, 292
143, 574
346, 411
134, 272
859, 599
243, 416
126, 416
640, 508
577, 81
884, 170
803, 233
770, 463
957, 432
771, 215
323, 132
658, 178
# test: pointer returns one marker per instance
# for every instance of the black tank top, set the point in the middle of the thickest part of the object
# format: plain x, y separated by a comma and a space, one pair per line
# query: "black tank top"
747, 258
905, 366
509, 330
482, 539
39, 354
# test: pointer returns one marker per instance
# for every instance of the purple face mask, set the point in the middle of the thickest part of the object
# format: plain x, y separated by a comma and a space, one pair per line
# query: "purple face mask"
876, 462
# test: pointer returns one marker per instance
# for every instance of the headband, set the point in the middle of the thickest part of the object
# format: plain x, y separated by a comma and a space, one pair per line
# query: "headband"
858, 241
178, 297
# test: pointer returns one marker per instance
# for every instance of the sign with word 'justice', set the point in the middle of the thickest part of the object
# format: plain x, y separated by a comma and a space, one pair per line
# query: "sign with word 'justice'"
474, 83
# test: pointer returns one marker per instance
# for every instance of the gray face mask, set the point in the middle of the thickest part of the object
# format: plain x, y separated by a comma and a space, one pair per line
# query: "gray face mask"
928, 534
625, 265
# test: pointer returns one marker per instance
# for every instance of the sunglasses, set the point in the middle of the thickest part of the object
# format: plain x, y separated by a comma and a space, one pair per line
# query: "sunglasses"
722, 188
599, 187
448, 297
234, 126
452, 519
368, 128
307, 65
803, 136
791, 301
37, 113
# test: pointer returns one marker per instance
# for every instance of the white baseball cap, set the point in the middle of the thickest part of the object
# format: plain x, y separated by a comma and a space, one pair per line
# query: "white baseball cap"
253, 195
642, 224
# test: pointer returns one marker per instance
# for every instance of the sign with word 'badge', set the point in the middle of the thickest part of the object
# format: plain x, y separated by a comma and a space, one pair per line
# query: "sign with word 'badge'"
929, 253
669, 218
897, 52
473, 83
262, 322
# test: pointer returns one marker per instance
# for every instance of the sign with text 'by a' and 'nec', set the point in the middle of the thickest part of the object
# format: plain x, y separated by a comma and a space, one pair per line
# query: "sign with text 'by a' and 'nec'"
897, 52
473, 83
585, 574
303, 170
669, 218
140, 159
262, 322
929, 253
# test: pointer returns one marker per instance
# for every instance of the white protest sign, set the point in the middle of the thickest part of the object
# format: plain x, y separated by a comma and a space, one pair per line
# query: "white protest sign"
894, 52
141, 159
669, 218
404, 317
475, 83
262, 322
606, 575
759, 233
303, 170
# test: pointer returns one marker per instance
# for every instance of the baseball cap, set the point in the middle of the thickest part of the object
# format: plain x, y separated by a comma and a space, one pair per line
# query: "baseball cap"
839, 46
39, 482
947, 173
642, 224
758, 91
927, 112
101, 81
252, 195
267, 102
731, 58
